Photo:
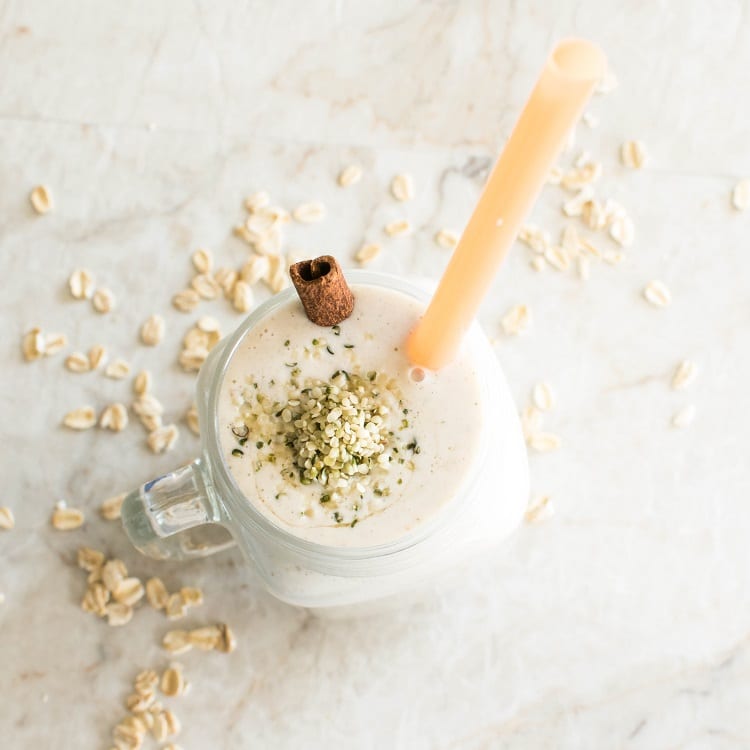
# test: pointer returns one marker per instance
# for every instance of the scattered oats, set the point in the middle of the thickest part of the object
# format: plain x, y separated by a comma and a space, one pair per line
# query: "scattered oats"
257, 201
171, 746
543, 397
117, 369
148, 717
275, 214
130, 730
531, 421
172, 682
139, 702
622, 230
633, 154
589, 248
33, 344
192, 419
684, 417
555, 176
77, 362
402, 187
67, 519
54, 343
148, 405
207, 324
447, 239
226, 278
191, 359
160, 729
614, 209
543, 442
684, 374
398, 228
97, 356
574, 206
163, 439
111, 507
309, 213
584, 268
367, 253
256, 268
152, 331
203, 260
241, 231
206, 638
7, 521
593, 215
114, 571
192, 596
176, 607
156, 593
151, 422
95, 599
590, 120
583, 158
197, 339
517, 320
177, 641
228, 643
350, 175
128, 591
103, 300
142, 383
81, 284
557, 257
538, 263
741, 195
118, 614
146, 681
95, 576
41, 199
80, 419
242, 297
583, 174
263, 233
186, 300
539, 509
657, 294
206, 286
173, 724
537, 239
613, 257
277, 274
114, 417
90, 559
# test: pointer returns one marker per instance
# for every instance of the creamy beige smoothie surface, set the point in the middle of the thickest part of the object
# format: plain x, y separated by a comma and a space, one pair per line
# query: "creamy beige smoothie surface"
331, 435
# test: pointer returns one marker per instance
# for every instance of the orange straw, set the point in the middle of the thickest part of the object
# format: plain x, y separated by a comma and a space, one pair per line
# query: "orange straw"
557, 101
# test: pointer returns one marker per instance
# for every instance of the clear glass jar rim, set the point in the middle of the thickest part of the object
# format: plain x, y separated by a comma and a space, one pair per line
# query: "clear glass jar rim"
241, 510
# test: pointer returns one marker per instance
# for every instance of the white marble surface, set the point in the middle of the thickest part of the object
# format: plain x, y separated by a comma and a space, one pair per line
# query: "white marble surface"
620, 622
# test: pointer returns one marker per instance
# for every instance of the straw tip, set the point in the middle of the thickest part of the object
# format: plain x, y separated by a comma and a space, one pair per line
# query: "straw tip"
579, 59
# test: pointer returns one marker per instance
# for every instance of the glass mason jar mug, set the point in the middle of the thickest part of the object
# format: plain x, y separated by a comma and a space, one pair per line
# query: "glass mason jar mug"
199, 509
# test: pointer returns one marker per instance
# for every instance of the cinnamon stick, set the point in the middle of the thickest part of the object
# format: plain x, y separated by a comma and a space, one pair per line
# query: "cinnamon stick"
323, 290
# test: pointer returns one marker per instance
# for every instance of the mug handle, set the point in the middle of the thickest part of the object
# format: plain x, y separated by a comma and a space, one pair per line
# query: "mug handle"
176, 516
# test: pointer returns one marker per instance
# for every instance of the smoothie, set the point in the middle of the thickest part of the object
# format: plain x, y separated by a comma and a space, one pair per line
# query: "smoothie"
334, 437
